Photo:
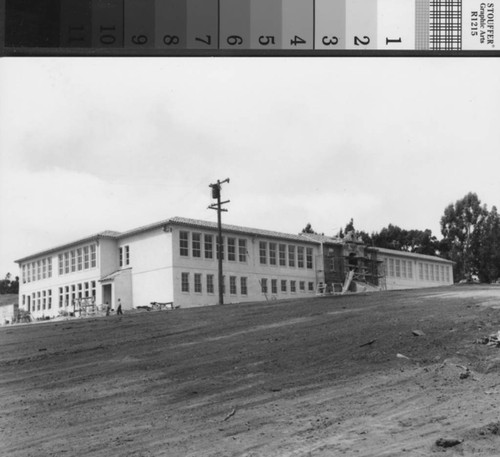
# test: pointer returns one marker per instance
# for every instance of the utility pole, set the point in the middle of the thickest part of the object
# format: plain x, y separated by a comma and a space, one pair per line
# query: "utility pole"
216, 188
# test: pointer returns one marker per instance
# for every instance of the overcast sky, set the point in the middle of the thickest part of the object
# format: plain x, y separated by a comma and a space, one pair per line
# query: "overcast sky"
94, 144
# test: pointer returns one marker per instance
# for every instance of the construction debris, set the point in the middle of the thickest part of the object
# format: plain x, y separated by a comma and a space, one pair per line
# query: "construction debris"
401, 356
447, 442
492, 340
367, 344
418, 332
232, 413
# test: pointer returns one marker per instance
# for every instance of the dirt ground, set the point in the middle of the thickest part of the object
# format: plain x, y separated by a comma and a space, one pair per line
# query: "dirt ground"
327, 376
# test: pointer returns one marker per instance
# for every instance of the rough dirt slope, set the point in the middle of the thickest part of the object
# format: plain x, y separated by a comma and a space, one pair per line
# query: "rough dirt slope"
313, 377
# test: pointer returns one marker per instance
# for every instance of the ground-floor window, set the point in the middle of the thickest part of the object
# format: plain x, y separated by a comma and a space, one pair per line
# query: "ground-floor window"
210, 284
274, 286
232, 285
197, 283
293, 287
283, 285
311, 286
302, 286
263, 285
185, 282
243, 286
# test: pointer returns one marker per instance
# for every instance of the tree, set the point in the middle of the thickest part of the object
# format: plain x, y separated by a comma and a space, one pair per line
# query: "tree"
489, 247
308, 229
461, 226
7, 286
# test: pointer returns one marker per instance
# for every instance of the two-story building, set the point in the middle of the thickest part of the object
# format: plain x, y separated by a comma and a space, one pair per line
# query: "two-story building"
176, 260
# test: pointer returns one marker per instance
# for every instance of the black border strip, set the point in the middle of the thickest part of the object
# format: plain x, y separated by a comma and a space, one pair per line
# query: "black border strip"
101, 52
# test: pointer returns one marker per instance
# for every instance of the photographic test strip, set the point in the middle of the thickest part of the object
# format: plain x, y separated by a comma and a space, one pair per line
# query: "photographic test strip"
247, 27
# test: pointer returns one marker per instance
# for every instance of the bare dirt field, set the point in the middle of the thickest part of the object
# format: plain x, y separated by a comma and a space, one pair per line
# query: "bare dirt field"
382, 374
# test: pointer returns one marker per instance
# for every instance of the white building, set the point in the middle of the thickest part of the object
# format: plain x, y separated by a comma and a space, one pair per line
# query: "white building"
175, 260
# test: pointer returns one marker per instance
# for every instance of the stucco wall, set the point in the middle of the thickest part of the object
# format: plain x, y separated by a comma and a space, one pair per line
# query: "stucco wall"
251, 269
151, 266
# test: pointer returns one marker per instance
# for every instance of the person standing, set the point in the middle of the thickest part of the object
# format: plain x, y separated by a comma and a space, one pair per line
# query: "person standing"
108, 308
119, 309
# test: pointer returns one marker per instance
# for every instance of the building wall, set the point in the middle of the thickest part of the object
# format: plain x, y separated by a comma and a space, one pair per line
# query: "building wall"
257, 270
7, 313
409, 272
44, 294
150, 260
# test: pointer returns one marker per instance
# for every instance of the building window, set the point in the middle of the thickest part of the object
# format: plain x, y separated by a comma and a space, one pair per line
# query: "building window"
421, 271
73, 261
243, 286
442, 273
86, 289
231, 249
61, 297
44, 268
44, 301
403, 268
391, 267
80, 288
209, 247
263, 252
221, 244
232, 285
410, 269
49, 303
86, 258
210, 284
282, 255
23, 274
121, 257
38, 270
263, 285
309, 258
184, 243
66, 262
272, 253
398, 268
185, 282
302, 286
293, 287
274, 286
300, 256
127, 255
447, 270
242, 250
196, 240
291, 256
426, 269
38, 301
49, 267
79, 259
310, 286
93, 256
197, 283
283, 285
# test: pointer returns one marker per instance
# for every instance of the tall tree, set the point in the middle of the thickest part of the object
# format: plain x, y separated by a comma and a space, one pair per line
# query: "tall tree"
308, 229
461, 226
489, 248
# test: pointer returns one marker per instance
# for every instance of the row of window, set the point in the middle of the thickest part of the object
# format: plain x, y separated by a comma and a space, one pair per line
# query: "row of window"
431, 272
35, 271
200, 285
202, 245
208, 284
124, 257
285, 255
70, 294
39, 300
398, 268
78, 259
284, 286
